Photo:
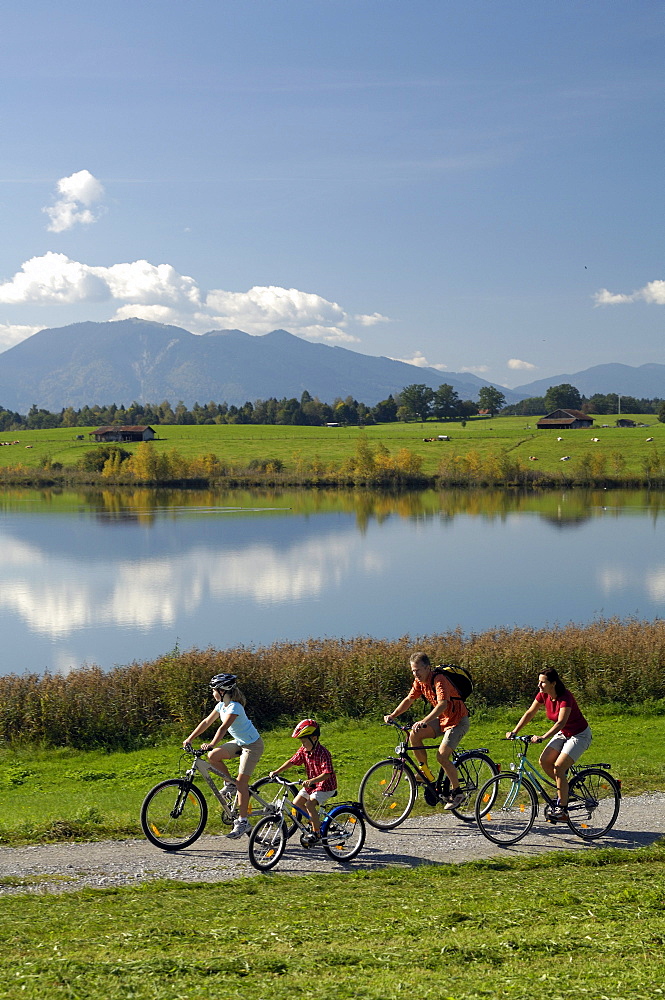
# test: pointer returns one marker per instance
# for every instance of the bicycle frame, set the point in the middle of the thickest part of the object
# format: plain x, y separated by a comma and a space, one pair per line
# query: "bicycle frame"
404, 751
526, 771
206, 770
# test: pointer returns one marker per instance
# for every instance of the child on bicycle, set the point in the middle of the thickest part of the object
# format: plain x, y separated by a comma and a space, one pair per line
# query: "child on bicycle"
245, 743
321, 781
448, 717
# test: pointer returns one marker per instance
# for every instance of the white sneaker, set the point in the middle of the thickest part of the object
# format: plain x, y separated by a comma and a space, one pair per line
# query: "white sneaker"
456, 799
240, 827
228, 788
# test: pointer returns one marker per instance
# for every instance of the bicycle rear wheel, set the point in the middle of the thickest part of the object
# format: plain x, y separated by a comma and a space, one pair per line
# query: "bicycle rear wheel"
474, 770
174, 814
513, 810
387, 793
593, 803
274, 792
267, 842
343, 833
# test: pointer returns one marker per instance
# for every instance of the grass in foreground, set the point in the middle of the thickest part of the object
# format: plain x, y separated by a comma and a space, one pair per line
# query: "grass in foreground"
60, 795
585, 924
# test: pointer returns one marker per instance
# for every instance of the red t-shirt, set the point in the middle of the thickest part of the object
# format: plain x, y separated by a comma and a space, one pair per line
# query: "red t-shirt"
576, 723
316, 761
441, 689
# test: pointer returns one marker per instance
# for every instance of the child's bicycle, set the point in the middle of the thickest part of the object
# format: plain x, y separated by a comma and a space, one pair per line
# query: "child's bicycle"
342, 830
175, 812
388, 791
594, 797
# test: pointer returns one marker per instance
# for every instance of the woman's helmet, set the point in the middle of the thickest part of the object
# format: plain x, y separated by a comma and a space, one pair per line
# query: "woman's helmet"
223, 682
308, 727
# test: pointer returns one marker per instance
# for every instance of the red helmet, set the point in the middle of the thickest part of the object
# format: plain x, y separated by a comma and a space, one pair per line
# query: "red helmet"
308, 727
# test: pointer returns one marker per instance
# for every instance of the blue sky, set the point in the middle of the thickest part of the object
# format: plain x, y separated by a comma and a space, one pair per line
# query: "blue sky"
472, 185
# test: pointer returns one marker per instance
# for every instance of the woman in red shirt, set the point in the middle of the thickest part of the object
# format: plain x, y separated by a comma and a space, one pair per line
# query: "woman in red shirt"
569, 735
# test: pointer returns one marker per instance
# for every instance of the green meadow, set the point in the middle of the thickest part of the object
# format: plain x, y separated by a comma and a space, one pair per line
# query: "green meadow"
481, 449
62, 793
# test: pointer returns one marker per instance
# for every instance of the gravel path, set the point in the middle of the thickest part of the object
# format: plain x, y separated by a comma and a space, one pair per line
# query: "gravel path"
436, 838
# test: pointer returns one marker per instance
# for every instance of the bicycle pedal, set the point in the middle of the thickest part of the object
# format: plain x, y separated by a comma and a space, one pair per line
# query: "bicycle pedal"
430, 796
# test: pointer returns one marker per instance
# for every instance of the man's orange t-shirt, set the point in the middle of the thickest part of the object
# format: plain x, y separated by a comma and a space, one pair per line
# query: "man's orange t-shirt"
440, 689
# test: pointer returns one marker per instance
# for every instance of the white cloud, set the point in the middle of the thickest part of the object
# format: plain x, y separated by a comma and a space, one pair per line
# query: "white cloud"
371, 320
653, 293
267, 307
476, 369
78, 193
420, 361
518, 365
158, 292
11, 334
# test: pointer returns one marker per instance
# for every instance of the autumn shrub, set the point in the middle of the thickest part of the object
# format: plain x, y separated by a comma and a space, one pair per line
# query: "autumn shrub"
606, 661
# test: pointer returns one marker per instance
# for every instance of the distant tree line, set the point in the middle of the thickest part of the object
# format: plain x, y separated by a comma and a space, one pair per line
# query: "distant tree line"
567, 397
414, 402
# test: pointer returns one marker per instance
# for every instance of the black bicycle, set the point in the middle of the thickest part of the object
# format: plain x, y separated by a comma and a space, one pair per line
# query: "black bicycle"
389, 789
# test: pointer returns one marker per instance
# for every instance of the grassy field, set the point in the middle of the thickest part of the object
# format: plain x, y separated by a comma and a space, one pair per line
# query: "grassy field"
581, 924
620, 453
63, 794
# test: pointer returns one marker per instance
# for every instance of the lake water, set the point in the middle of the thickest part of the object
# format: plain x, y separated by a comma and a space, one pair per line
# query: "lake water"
111, 577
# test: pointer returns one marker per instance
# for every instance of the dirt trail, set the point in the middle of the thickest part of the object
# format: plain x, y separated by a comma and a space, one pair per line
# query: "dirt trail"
437, 838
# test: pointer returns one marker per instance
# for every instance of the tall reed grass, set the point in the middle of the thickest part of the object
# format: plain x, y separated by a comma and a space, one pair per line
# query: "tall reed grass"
607, 661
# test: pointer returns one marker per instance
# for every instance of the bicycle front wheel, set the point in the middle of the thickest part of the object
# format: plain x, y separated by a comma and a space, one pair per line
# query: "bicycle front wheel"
513, 810
593, 803
474, 770
277, 794
387, 793
343, 833
174, 814
267, 842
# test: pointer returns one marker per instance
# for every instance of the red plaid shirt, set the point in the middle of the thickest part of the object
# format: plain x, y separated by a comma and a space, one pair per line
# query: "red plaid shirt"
316, 761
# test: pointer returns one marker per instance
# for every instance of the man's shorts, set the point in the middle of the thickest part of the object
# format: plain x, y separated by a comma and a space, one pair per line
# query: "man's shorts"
453, 737
573, 746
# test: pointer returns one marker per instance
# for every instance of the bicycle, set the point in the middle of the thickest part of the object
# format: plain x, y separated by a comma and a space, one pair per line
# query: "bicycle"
175, 812
594, 797
388, 790
342, 831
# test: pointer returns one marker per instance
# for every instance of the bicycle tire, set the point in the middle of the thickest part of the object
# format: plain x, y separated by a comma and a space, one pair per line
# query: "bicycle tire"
474, 770
387, 793
594, 799
174, 814
279, 788
343, 833
514, 808
267, 843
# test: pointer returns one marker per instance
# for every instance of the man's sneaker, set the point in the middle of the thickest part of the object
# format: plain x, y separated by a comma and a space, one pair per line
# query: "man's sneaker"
559, 814
240, 827
456, 799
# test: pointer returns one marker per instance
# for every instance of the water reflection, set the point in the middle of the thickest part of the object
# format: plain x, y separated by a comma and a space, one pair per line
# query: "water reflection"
111, 576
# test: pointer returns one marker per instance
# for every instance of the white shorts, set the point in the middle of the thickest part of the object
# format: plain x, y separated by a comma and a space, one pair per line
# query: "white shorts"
573, 746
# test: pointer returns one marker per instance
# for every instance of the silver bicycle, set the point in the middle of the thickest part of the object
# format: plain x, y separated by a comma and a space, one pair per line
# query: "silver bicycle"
175, 812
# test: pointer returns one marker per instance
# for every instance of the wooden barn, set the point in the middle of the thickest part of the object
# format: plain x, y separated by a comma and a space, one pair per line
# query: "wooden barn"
132, 432
565, 420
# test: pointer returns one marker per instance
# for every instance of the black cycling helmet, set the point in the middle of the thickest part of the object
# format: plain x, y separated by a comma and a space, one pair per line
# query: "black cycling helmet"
223, 682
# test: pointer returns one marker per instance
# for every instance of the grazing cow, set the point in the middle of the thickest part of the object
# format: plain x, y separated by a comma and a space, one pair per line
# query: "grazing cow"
649, 439
533, 458
559, 439
595, 439
566, 458
444, 437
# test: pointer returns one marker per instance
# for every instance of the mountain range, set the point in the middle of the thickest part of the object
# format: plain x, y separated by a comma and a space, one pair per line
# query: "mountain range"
134, 360
644, 382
